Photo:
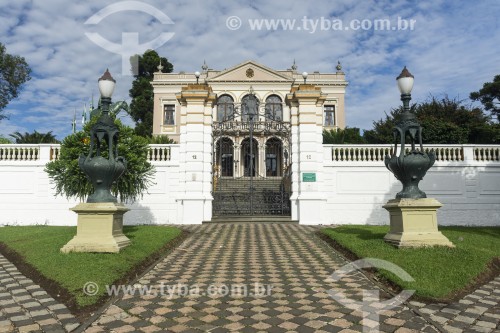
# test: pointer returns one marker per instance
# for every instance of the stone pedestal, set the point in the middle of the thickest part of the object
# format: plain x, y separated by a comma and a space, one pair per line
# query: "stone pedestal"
99, 229
414, 223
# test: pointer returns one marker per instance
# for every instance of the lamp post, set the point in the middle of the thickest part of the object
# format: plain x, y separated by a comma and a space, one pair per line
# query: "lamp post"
251, 108
100, 219
197, 74
409, 168
413, 218
304, 76
103, 170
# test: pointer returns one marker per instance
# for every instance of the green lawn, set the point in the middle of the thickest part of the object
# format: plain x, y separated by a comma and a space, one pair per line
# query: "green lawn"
40, 246
439, 272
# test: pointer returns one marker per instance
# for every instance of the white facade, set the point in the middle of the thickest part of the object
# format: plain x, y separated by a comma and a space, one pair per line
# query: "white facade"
353, 181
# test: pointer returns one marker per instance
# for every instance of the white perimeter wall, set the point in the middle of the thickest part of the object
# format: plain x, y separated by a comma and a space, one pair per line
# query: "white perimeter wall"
466, 179
27, 196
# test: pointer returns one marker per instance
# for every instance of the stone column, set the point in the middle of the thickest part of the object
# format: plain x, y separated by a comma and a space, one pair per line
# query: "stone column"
308, 199
195, 198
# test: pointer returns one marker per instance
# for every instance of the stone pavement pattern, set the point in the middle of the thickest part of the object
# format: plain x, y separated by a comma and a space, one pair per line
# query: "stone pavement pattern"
289, 257
26, 307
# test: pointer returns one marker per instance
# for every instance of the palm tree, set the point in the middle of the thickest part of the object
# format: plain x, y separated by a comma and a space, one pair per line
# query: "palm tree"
34, 137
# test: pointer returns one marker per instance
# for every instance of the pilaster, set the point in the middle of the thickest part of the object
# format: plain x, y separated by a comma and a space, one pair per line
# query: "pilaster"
308, 199
195, 199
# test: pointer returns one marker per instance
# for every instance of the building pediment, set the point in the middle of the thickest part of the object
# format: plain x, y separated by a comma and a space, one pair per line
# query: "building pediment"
250, 71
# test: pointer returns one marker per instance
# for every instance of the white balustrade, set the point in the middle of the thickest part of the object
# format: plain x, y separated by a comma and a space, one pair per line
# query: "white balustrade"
51, 152
444, 153
19, 152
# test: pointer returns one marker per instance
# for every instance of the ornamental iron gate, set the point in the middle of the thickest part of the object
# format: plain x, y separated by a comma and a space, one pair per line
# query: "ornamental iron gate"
246, 180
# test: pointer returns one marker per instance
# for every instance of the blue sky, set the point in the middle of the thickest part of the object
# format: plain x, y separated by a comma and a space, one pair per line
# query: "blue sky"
453, 48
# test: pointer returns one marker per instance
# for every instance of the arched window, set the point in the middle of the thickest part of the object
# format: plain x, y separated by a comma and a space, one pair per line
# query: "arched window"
274, 108
246, 104
225, 108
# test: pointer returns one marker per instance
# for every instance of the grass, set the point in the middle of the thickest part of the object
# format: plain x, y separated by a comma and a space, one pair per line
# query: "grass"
440, 273
40, 247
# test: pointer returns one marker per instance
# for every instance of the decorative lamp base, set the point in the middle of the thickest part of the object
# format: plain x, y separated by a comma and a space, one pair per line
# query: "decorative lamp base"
100, 228
414, 223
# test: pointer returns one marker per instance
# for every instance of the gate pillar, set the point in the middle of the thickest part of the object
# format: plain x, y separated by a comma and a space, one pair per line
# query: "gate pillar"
195, 198
308, 199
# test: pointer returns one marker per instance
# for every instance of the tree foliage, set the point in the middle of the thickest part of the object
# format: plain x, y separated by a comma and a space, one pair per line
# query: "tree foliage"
14, 71
71, 181
161, 139
35, 137
349, 135
4, 140
444, 121
141, 107
489, 96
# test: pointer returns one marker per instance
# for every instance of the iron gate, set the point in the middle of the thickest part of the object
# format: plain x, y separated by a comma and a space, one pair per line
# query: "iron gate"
235, 196
242, 183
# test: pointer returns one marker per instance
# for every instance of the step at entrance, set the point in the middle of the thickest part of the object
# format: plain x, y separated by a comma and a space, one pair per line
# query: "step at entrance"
253, 219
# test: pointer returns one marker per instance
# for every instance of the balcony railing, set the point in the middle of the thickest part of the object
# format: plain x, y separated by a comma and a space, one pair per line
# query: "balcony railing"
270, 127
444, 153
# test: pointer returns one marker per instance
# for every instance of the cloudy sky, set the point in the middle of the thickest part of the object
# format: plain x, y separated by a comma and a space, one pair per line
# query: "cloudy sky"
452, 49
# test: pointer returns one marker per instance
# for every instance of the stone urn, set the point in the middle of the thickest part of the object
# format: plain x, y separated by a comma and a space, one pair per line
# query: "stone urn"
410, 169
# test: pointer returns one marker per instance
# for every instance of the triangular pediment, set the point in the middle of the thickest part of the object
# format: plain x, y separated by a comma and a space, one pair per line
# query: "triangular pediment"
250, 71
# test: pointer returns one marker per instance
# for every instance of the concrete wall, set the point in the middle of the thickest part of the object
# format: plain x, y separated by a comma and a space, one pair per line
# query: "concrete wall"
27, 196
354, 180
465, 179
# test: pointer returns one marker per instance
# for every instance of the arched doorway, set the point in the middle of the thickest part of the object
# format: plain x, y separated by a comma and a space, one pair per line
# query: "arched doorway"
250, 157
224, 155
274, 153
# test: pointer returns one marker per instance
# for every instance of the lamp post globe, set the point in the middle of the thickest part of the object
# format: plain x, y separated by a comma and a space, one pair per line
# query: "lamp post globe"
106, 84
197, 74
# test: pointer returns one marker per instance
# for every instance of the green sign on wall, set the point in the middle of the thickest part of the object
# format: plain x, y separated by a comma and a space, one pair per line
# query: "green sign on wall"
309, 177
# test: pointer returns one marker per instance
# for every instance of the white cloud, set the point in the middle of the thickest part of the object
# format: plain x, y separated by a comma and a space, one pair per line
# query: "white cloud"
453, 49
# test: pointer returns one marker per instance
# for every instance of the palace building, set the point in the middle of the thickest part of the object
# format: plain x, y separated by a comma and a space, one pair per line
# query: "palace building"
240, 131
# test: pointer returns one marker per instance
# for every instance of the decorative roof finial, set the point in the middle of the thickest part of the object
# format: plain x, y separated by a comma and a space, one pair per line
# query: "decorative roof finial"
205, 66
339, 66
160, 67
294, 66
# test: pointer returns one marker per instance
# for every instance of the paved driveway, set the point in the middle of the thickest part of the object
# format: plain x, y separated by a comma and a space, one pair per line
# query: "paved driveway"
247, 278
288, 258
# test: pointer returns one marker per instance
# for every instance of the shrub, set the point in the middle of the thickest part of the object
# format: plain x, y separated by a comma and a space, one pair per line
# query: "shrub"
71, 181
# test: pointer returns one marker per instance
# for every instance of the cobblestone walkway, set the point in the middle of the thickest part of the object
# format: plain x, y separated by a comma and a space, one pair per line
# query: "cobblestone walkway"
185, 292
288, 257
25, 307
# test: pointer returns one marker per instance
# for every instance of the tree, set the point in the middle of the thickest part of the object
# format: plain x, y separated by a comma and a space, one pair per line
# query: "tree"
349, 135
34, 137
444, 121
14, 71
71, 181
489, 96
141, 107
160, 139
